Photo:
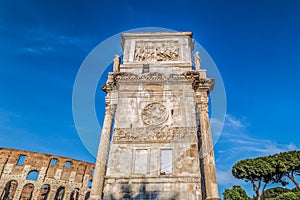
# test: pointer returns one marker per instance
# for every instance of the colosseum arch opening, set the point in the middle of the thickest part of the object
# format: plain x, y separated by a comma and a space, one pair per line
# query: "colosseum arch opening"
60, 193
27, 192
87, 195
9, 190
74, 194
44, 192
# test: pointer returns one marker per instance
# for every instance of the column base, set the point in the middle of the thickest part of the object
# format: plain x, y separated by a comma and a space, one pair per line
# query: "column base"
95, 198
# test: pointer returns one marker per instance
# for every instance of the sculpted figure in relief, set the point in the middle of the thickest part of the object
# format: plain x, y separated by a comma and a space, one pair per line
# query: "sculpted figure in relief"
197, 60
154, 114
159, 133
116, 63
156, 51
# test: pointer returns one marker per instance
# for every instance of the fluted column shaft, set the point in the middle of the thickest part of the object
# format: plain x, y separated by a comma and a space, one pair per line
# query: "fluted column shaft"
208, 159
99, 173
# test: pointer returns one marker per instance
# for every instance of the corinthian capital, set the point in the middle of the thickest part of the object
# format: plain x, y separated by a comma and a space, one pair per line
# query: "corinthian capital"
198, 82
110, 109
110, 84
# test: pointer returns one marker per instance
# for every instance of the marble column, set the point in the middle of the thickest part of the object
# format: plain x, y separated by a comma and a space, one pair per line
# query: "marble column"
100, 167
207, 153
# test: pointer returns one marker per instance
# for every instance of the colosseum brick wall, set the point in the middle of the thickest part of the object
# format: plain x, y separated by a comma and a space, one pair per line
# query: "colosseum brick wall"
27, 175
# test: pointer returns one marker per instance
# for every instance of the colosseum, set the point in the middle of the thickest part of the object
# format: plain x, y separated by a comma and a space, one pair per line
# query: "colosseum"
28, 175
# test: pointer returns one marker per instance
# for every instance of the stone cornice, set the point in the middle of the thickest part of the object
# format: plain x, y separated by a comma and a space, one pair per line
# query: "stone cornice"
196, 79
116, 77
198, 82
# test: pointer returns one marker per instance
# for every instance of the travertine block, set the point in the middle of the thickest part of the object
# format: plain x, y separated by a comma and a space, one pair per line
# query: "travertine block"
15, 183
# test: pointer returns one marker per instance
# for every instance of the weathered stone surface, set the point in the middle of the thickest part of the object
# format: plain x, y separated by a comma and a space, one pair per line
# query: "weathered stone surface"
161, 144
157, 50
15, 183
156, 134
102, 152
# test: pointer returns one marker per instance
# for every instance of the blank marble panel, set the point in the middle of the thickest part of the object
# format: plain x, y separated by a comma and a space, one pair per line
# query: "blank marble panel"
141, 161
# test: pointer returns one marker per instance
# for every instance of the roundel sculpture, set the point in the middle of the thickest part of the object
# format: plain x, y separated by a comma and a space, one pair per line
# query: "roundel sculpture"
154, 114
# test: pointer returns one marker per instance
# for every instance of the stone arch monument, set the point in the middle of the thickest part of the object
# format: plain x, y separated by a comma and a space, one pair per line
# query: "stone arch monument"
161, 144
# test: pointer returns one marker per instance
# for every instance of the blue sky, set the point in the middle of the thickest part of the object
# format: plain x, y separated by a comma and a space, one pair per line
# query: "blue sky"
255, 45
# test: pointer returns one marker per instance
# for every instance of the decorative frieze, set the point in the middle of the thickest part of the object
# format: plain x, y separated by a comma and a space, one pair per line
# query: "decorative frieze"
114, 78
152, 76
154, 134
194, 77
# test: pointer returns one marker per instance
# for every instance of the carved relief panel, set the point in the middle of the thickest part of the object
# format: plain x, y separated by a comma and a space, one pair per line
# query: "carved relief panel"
154, 134
151, 51
154, 114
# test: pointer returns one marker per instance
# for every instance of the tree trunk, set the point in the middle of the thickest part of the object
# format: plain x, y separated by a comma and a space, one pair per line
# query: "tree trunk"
258, 195
256, 190
294, 181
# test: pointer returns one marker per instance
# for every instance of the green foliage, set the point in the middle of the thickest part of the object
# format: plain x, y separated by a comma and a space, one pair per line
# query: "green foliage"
288, 161
269, 169
288, 165
258, 171
274, 192
287, 196
236, 193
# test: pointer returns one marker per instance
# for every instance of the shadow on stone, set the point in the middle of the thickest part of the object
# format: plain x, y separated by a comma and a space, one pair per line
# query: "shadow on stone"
142, 194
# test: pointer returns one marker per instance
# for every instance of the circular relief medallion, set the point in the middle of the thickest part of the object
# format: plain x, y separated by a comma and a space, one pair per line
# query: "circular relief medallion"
154, 114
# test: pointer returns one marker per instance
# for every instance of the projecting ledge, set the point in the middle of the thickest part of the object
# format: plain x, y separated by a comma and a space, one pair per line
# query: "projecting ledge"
151, 34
